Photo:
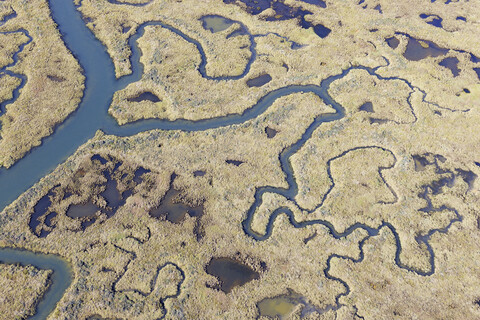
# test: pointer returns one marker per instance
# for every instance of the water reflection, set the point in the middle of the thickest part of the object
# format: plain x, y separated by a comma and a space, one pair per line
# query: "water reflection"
145, 96
259, 81
230, 272
61, 277
393, 42
270, 132
420, 49
452, 64
216, 23
282, 306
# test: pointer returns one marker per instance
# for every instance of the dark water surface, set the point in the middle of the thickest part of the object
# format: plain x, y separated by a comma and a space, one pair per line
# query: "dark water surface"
145, 96
393, 42
367, 107
230, 272
319, 3
82, 210
173, 210
420, 49
259, 81
452, 64
432, 19
61, 278
271, 133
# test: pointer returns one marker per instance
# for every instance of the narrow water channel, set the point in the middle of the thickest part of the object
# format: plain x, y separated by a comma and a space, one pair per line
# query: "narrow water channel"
61, 277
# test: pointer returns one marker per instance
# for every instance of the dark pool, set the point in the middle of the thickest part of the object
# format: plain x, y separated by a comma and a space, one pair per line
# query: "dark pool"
145, 96
259, 81
230, 272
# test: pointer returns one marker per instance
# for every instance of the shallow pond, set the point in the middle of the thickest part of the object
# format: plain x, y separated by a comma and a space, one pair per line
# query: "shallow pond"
230, 272
420, 49
112, 195
145, 96
277, 307
216, 23
452, 64
259, 81
199, 173
432, 19
173, 209
284, 11
97, 157
137, 176
56, 78
367, 107
282, 306
234, 162
319, 3
82, 210
126, 3
321, 31
392, 42
253, 6
40, 212
270, 132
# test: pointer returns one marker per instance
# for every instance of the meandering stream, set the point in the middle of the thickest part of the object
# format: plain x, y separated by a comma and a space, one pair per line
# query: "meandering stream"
61, 278
92, 115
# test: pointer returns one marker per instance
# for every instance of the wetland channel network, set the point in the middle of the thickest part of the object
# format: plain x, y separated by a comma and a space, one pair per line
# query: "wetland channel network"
92, 115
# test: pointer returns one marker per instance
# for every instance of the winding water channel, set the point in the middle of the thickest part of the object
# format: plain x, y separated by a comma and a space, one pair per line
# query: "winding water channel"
61, 277
21, 77
92, 115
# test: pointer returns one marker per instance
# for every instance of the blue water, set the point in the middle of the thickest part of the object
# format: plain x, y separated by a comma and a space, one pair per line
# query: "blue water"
61, 278
436, 21
23, 78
